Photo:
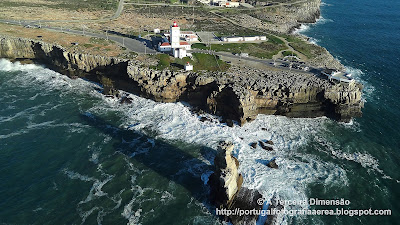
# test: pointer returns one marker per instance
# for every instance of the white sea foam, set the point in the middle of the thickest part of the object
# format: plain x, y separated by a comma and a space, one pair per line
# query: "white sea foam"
305, 27
6, 65
321, 20
323, 4
358, 75
175, 121
301, 29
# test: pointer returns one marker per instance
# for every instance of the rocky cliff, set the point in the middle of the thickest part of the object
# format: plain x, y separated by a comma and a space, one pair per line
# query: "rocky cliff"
280, 17
239, 94
58, 58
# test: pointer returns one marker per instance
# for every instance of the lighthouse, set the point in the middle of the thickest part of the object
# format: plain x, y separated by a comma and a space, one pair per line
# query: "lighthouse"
175, 33
175, 46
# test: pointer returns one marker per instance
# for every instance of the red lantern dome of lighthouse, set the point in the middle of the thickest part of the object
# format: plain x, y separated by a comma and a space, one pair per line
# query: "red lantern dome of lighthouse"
175, 24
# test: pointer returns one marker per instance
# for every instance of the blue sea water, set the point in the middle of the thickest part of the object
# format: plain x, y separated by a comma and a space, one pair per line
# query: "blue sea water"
69, 155
365, 37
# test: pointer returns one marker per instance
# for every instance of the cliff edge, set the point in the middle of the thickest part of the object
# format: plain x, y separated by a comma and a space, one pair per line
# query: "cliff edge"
239, 94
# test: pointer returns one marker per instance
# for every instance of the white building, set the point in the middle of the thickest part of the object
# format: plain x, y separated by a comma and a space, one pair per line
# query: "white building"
179, 53
232, 39
232, 4
164, 47
175, 46
244, 39
185, 45
188, 36
226, 3
175, 37
188, 66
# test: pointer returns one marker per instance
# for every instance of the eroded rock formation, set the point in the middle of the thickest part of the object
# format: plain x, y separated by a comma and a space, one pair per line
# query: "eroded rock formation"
239, 94
226, 180
226, 187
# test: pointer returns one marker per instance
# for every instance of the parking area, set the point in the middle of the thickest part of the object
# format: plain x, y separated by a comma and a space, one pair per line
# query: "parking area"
208, 37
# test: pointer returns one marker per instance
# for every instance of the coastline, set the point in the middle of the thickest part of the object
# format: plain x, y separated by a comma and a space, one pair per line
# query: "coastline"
256, 92
316, 158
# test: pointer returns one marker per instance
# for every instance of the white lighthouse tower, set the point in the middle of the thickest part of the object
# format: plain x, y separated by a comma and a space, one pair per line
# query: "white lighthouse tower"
175, 46
175, 33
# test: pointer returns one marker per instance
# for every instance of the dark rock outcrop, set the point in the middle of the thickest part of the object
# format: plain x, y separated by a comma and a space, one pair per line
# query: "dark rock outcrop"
265, 146
272, 164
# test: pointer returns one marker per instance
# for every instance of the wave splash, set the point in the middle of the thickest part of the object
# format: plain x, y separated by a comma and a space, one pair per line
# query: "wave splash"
176, 122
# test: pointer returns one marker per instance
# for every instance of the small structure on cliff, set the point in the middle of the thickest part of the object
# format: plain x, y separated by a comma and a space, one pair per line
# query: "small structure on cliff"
188, 67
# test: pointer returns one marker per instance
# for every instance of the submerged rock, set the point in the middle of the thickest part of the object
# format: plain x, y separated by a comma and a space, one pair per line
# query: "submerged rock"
253, 144
126, 100
264, 146
272, 164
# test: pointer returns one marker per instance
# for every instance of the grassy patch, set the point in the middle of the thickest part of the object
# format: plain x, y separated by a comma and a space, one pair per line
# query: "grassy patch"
291, 38
260, 50
87, 45
288, 53
164, 61
200, 61
275, 40
307, 49
199, 46
208, 62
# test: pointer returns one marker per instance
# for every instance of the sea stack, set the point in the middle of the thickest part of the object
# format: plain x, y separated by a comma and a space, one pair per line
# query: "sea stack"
226, 187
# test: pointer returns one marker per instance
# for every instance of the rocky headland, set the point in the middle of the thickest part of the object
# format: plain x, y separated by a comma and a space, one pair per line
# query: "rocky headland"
239, 94
279, 17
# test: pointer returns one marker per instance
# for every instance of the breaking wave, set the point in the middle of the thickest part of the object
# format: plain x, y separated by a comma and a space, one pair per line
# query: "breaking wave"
176, 122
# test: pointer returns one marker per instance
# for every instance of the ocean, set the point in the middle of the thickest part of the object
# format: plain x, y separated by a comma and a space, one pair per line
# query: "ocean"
70, 155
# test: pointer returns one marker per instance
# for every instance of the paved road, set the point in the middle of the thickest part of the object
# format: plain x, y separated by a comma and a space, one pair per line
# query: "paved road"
276, 64
161, 4
135, 45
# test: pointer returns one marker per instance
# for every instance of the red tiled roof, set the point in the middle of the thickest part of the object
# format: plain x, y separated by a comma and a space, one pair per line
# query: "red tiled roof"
165, 44
184, 43
187, 32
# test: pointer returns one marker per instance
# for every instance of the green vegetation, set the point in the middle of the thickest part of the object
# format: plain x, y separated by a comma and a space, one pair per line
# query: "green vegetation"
307, 49
199, 46
200, 61
291, 38
164, 61
208, 62
260, 50
88, 45
288, 53
275, 40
